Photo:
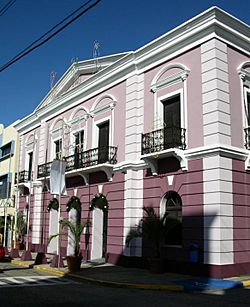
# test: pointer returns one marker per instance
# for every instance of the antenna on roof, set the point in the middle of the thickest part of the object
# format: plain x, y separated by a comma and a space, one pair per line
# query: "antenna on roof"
52, 78
96, 54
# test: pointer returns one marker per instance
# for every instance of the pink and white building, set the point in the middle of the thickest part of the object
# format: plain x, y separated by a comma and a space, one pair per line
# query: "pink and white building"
166, 126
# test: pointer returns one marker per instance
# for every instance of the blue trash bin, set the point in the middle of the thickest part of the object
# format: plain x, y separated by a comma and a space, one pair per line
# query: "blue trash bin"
194, 252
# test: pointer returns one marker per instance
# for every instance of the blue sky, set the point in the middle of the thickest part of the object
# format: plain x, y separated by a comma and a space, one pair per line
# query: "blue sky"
118, 26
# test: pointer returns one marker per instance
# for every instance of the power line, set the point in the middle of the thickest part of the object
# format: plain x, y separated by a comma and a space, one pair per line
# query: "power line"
37, 44
53, 28
5, 8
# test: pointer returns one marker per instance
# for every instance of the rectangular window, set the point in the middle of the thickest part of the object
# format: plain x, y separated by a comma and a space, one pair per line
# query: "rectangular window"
30, 157
6, 150
58, 149
4, 187
103, 142
172, 122
79, 139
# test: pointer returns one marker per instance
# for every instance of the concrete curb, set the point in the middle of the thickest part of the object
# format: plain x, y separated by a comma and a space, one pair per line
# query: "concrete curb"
50, 270
246, 283
169, 287
26, 264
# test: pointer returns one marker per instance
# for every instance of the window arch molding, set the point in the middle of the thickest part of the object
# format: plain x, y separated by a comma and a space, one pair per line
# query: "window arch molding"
243, 72
54, 127
108, 106
182, 75
30, 140
73, 117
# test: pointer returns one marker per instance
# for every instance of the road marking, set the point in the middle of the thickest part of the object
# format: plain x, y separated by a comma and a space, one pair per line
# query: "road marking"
30, 281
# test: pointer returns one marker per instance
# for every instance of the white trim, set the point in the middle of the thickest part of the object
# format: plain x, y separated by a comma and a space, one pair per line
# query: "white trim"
113, 102
180, 76
75, 120
245, 105
159, 108
95, 130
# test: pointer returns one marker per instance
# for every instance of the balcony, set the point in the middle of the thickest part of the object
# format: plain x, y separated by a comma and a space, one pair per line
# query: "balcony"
247, 138
161, 139
161, 143
22, 177
87, 160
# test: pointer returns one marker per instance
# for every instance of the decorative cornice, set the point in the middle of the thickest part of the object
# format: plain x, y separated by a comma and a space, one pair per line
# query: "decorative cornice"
181, 76
130, 165
213, 23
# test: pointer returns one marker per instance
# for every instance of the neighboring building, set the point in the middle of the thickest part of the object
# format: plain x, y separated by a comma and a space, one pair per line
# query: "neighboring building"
166, 126
8, 166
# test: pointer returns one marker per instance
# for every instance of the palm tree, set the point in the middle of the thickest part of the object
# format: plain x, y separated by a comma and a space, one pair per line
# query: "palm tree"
21, 226
74, 233
154, 228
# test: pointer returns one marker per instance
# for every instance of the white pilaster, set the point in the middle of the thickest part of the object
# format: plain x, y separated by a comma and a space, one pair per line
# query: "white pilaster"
218, 210
134, 116
43, 143
37, 215
215, 93
133, 203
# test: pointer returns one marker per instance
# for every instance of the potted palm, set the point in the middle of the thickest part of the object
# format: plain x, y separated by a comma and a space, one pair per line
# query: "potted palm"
154, 229
21, 230
74, 233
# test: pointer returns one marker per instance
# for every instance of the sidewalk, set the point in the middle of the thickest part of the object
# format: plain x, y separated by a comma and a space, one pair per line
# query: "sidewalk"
116, 276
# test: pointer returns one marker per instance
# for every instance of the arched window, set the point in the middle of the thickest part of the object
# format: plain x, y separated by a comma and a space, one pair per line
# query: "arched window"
173, 206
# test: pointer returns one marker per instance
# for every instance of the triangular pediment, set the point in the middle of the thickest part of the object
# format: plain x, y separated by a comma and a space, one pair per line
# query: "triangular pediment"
77, 74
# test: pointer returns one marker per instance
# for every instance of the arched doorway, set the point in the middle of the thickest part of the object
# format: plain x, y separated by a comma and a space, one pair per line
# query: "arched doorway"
99, 206
172, 204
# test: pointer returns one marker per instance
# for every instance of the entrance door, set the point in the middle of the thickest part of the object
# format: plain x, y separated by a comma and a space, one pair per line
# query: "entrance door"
103, 143
172, 122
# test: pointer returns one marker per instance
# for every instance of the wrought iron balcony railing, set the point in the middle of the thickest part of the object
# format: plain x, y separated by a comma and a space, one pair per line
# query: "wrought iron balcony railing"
23, 176
83, 159
165, 138
247, 138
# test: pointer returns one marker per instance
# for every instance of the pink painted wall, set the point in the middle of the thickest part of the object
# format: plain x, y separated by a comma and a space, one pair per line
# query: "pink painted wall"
235, 58
241, 212
118, 92
189, 185
194, 99
114, 192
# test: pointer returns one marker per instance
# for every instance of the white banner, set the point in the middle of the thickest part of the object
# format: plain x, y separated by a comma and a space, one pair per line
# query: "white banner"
57, 177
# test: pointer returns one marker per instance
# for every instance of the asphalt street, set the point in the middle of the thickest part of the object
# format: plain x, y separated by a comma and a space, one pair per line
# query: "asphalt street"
28, 287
